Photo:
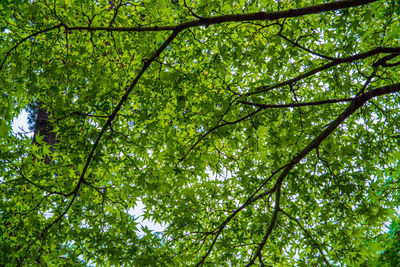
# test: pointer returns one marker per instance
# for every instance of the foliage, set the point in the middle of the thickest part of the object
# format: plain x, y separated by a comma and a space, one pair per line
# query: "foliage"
391, 254
260, 132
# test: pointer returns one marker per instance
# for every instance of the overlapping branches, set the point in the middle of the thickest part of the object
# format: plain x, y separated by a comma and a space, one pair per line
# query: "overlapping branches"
356, 102
307, 233
110, 119
393, 52
207, 21
176, 30
336, 62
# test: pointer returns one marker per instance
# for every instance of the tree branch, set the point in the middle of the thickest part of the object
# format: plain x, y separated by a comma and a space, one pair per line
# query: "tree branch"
215, 128
26, 38
41, 187
124, 98
292, 105
378, 50
358, 102
291, 13
353, 107
307, 234
296, 44
119, 105
250, 200
270, 225
207, 21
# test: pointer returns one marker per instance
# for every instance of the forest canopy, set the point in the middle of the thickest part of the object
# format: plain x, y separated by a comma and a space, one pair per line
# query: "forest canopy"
260, 132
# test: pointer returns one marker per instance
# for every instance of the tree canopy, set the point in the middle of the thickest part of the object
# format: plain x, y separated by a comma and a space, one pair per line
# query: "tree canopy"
259, 132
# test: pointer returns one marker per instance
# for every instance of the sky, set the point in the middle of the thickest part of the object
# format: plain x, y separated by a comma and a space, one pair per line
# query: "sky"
20, 124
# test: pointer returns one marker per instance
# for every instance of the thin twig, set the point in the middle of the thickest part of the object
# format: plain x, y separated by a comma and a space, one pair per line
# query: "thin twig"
307, 234
26, 38
124, 98
296, 44
292, 105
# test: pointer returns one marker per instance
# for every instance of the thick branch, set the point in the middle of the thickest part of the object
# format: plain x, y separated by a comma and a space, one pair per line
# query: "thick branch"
358, 102
270, 225
378, 50
119, 105
291, 13
207, 21
353, 107
250, 200
176, 29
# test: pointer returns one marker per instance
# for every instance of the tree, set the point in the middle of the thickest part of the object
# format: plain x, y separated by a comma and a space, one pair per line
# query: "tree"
259, 132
